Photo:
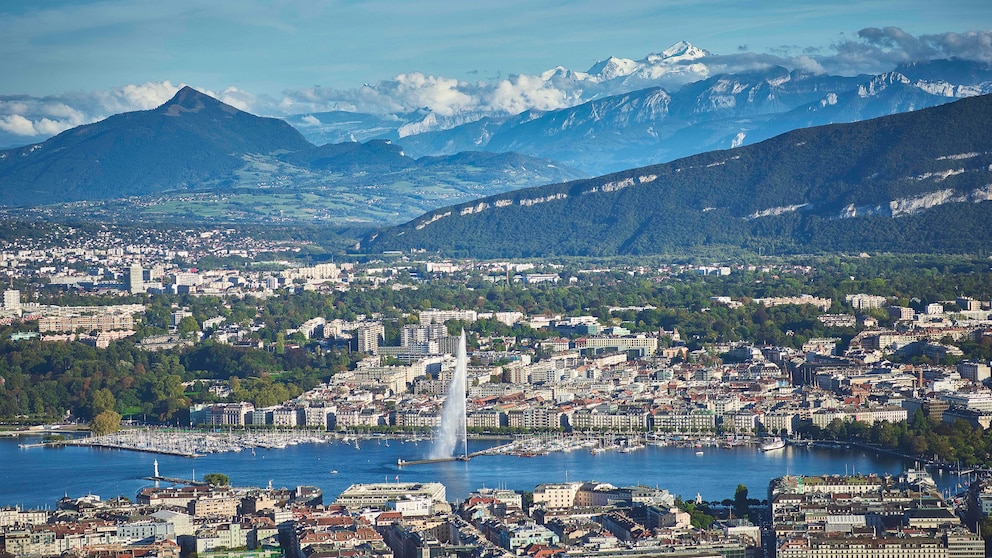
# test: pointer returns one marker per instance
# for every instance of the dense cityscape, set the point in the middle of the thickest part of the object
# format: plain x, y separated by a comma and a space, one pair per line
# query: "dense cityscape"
357, 279
590, 356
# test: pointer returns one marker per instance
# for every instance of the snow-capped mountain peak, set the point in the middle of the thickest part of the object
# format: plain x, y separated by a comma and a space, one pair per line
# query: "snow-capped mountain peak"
613, 67
680, 61
680, 51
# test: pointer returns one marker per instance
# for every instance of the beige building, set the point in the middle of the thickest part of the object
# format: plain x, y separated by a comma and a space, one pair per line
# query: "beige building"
378, 495
556, 496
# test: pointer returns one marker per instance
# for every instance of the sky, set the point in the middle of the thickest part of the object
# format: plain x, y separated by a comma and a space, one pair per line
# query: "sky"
68, 62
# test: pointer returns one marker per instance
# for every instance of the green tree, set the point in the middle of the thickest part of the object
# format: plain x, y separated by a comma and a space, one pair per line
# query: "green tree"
188, 326
106, 422
103, 400
217, 479
741, 508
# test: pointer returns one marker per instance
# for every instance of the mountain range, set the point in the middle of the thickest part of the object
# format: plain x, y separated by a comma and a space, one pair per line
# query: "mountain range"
916, 181
625, 113
197, 144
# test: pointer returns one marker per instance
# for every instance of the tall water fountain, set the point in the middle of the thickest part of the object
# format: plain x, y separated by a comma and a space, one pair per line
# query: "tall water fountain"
452, 430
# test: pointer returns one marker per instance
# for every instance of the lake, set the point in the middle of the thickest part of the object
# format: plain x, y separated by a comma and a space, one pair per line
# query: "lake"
37, 477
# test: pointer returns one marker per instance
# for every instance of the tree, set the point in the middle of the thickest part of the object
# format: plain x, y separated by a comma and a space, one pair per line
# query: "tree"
741, 507
217, 479
106, 422
103, 400
188, 326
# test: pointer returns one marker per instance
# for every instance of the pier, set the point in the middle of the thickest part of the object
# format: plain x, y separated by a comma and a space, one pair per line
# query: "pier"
174, 480
404, 463
96, 443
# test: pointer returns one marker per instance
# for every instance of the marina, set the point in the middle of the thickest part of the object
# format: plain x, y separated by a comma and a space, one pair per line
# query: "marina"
198, 443
184, 443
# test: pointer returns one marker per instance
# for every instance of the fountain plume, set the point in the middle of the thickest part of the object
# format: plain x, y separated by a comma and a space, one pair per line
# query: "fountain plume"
451, 429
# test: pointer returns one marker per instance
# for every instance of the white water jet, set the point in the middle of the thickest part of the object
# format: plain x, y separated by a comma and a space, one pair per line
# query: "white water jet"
452, 429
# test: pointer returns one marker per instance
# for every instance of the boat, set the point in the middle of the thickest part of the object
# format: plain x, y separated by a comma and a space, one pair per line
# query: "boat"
776, 444
699, 453
334, 472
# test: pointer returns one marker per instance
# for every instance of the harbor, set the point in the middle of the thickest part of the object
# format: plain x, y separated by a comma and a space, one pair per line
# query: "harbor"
36, 476
197, 443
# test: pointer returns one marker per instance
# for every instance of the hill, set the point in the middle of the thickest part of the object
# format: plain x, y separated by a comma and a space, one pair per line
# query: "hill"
191, 140
907, 182
195, 144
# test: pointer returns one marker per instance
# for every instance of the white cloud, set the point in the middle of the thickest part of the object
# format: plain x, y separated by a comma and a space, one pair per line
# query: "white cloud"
441, 95
241, 100
521, 93
310, 120
18, 125
27, 116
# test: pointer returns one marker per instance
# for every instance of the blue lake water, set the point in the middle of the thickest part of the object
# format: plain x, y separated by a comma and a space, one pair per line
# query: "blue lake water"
37, 477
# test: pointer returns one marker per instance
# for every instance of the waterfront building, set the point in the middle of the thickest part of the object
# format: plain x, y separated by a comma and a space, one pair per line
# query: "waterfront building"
222, 414
868, 415
605, 417
536, 418
285, 416
685, 422
486, 419
780, 422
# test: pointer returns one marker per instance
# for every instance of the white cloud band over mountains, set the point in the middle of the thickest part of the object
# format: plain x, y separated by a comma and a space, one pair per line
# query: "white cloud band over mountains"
26, 119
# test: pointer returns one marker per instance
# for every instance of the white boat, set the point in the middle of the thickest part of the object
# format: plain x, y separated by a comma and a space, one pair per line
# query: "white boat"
776, 444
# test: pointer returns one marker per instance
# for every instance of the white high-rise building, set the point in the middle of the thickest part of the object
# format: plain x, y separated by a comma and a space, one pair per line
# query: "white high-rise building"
12, 299
369, 337
412, 334
135, 279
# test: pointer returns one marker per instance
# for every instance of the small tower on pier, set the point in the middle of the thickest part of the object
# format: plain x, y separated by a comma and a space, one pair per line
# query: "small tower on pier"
156, 468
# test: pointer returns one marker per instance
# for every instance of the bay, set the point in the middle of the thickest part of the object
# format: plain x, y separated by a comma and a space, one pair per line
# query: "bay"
38, 477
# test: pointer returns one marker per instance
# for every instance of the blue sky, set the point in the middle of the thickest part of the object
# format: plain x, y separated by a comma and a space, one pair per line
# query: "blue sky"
85, 54
268, 46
